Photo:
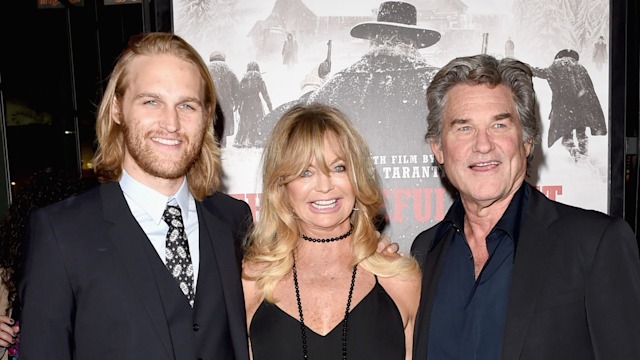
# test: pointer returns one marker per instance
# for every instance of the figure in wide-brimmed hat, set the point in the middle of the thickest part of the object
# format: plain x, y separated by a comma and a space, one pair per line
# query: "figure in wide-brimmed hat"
396, 19
383, 93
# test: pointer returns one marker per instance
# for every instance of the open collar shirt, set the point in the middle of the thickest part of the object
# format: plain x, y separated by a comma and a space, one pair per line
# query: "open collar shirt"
468, 314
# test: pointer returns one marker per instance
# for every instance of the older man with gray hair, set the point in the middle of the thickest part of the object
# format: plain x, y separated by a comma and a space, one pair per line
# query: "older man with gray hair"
508, 273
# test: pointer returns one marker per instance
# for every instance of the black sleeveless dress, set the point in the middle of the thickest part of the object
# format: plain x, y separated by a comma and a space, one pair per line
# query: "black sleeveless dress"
375, 331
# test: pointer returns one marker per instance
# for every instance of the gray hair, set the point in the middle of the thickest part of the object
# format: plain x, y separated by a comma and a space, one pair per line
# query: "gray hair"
484, 70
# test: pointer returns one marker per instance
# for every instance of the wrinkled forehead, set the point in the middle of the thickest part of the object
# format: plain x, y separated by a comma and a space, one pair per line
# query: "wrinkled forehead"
467, 101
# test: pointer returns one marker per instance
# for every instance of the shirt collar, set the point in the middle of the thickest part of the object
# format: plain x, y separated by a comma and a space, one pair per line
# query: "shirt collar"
153, 202
512, 218
509, 222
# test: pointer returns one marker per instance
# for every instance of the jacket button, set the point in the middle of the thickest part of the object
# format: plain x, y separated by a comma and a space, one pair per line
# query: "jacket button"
196, 327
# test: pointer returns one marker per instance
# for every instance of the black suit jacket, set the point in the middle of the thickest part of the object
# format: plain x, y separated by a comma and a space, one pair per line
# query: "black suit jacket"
575, 288
88, 289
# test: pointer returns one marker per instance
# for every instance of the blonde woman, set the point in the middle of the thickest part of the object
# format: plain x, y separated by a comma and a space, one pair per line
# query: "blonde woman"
315, 286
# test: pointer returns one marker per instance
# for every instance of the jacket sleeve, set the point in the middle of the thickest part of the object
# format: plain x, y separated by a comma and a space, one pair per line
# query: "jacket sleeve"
612, 294
48, 306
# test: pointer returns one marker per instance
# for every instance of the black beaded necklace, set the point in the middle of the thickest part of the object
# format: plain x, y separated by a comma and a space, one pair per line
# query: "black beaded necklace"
344, 321
330, 239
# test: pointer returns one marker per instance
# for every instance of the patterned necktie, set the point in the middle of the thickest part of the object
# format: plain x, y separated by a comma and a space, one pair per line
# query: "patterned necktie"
177, 253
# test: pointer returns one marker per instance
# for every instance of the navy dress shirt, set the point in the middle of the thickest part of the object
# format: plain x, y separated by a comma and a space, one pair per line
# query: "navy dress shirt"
468, 315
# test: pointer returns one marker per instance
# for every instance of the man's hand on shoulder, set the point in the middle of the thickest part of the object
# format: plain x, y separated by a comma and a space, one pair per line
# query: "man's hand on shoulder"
387, 248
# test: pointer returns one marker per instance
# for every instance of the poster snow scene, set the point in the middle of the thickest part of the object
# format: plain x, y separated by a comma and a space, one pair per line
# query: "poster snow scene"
374, 60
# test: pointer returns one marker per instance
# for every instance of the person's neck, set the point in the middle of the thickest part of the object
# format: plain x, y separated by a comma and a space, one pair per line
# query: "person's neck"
323, 259
479, 218
164, 186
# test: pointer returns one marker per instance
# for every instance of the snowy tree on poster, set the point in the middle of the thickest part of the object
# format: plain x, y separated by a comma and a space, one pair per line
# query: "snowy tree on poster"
201, 18
555, 25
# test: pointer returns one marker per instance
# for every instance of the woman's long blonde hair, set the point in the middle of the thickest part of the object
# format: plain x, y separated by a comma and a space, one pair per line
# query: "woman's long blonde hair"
296, 139
204, 175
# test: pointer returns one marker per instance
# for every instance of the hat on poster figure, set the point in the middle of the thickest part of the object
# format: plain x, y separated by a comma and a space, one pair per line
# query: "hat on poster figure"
396, 18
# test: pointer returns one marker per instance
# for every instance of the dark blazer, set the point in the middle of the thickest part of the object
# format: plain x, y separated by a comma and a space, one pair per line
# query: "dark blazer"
91, 290
575, 288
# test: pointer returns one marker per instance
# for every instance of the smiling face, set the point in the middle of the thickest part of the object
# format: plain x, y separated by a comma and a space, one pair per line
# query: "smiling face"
162, 116
323, 202
482, 148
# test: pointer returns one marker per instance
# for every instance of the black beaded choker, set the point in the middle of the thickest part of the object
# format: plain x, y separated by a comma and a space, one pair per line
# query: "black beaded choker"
329, 240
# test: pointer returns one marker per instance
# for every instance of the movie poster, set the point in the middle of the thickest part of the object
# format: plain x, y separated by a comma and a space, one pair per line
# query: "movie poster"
266, 55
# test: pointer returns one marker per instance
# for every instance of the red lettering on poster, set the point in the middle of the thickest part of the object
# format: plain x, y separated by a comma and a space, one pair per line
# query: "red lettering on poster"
550, 191
424, 204
415, 204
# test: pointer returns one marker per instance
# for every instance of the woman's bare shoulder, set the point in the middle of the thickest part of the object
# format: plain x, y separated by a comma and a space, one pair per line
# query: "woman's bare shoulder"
406, 284
405, 292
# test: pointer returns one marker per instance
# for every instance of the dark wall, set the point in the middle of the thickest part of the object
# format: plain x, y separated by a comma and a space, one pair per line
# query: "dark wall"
632, 170
625, 96
53, 68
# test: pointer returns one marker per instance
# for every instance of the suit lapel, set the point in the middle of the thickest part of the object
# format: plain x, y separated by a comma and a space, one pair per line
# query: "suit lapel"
535, 244
129, 241
431, 270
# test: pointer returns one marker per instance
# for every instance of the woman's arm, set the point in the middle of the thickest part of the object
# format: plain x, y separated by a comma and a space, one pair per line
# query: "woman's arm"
405, 292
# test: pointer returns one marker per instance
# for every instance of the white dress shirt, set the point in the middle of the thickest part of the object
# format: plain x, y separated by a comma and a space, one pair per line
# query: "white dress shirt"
148, 205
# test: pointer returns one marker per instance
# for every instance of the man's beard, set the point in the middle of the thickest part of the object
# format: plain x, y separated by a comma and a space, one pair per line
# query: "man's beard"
152, 162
